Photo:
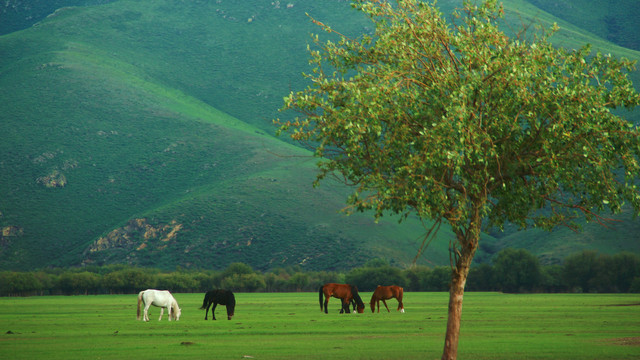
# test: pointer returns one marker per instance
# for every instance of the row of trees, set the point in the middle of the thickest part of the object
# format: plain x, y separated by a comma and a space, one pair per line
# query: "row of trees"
516, 271
511, 271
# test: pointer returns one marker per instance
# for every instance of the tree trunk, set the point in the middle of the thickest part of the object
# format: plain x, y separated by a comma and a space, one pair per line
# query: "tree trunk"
456, 293
463, 257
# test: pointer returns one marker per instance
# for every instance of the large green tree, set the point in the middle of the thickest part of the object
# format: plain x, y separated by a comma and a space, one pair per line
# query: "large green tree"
459, 123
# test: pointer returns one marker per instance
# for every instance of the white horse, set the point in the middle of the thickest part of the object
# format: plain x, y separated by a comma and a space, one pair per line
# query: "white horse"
160, 298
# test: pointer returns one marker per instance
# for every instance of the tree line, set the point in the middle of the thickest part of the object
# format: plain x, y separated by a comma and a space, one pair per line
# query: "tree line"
512, 270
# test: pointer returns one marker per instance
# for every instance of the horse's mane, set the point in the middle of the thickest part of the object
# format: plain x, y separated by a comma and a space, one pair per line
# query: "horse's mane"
175, 308
356, 296
230, 301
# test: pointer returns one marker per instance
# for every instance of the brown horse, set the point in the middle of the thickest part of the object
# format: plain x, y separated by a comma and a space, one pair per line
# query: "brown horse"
347, 293
385, 293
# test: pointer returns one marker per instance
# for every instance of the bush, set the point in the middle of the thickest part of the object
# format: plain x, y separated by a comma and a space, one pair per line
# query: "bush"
129, 281
82, 283
368, 278
624, 269
176, 282
481, 278
416, 278
299, 281
439, 279
516, 271
244, 283
18, 284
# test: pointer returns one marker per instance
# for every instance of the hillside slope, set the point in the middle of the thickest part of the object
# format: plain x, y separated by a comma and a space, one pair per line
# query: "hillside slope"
106, 159
140, 132
612, 20
106, 164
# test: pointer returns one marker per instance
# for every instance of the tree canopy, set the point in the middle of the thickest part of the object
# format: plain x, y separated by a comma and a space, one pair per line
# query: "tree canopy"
458, 122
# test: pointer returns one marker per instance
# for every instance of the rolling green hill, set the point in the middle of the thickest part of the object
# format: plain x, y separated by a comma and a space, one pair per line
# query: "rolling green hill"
140, 132
612, 20
21, 14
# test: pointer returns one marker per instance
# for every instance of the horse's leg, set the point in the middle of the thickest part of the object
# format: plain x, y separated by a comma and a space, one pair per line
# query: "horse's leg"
326, 303
378, 303
145, 315
213, 311
161, 313
400, 304
385, 305
349, 301
169, 312
207, 311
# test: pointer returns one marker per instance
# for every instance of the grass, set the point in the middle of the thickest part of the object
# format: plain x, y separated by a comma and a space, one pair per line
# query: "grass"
290, 326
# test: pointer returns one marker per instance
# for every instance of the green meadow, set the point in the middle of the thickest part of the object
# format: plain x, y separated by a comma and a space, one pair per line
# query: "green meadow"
291, 326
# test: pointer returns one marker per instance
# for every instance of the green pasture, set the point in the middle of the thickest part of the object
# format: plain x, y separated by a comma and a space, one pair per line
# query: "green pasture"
291, 326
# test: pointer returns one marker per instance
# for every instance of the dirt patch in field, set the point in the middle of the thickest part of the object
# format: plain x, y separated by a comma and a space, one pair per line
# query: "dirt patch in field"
626, 341
633, 304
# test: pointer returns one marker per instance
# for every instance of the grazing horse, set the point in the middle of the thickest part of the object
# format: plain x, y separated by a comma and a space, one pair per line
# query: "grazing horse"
347, 293
222, 297
160, 298
385, 293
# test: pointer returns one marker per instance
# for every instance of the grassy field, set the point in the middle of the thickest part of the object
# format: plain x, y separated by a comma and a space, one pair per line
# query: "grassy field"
290, 326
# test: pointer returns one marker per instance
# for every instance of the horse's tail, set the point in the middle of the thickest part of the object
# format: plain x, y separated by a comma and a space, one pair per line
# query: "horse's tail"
320, 293
205, 301
139, 301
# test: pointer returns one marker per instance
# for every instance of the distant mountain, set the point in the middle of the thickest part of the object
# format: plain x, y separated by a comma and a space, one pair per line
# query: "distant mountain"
612, 20
20, 14
140, 132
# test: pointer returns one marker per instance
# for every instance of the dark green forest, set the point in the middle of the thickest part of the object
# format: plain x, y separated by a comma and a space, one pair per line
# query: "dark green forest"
512, 271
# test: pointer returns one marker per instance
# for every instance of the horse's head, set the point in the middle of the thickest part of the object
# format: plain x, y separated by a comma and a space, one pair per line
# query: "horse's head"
176, 311
231, 309
360, 308
231, 304
373, 306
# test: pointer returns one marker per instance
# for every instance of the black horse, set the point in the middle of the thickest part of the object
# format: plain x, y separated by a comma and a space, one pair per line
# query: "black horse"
222, 297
